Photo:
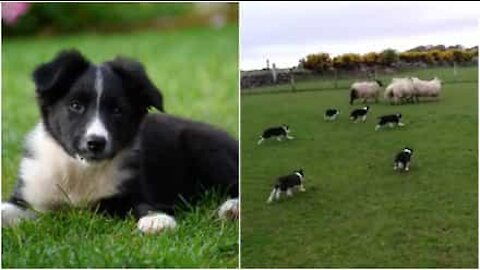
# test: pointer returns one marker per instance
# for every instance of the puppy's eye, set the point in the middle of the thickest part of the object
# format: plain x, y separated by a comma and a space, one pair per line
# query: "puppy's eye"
117, 111
76, 107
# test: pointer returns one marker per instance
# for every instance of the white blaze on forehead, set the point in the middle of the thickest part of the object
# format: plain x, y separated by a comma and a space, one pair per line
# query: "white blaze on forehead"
407, 150
96, 127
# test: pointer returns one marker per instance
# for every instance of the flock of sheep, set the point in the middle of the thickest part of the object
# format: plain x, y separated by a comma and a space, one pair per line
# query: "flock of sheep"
400, 90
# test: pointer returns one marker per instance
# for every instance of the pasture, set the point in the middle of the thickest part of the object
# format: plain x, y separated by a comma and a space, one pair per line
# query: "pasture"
197, 71
357, 211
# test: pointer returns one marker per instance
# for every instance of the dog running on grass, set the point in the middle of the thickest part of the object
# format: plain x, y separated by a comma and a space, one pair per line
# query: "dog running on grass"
403, 159
331, 114
278, 132
391, 120
286, 184
359, 114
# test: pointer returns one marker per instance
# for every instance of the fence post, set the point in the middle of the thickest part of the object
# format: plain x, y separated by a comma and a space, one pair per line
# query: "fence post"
292, 80
455, 72
335, 86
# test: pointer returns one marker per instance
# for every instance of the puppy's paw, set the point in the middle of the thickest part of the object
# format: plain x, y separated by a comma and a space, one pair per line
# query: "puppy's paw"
229, 210
156, 223
12, 214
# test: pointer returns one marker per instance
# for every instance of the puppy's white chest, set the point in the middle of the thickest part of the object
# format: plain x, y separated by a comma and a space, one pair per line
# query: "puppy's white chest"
51, 178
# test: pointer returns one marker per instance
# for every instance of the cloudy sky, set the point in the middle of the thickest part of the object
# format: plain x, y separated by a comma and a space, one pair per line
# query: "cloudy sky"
284, 32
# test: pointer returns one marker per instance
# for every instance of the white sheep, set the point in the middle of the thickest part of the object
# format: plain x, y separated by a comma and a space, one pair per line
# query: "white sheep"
365, 90
399, 90
423, 88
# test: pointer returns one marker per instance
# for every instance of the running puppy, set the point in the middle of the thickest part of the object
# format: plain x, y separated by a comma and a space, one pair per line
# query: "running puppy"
403, 159
390, 120
331, 114
286, 184
275, 132
360, 113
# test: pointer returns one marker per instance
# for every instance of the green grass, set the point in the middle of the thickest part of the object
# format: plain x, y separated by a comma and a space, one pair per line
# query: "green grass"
464, 74
197, 71
357, 211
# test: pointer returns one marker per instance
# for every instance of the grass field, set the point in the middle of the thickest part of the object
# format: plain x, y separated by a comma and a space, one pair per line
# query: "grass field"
197, 70
358, 212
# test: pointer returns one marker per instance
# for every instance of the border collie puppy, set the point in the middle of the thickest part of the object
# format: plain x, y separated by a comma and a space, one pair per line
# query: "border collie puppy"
403, 159
360, 113
286, 184
97, 146
331, 114
275, 132
390, 120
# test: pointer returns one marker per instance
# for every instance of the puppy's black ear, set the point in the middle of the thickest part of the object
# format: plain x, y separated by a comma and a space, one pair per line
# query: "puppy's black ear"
135, 79
53, 79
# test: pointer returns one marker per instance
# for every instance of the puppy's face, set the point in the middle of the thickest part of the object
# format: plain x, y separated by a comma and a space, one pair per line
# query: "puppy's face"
408, 150
92, 111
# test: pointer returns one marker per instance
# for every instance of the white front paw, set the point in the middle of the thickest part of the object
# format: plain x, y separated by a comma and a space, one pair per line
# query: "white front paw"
12, 214
155, 223
229, 210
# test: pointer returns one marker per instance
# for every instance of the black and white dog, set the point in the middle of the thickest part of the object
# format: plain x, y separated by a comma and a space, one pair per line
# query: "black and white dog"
286, 184
360, 113
403, 159
96, 145
275, 132
331, 114
390, 120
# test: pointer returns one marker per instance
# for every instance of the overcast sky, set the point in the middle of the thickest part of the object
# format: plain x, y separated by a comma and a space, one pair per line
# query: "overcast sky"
284, 32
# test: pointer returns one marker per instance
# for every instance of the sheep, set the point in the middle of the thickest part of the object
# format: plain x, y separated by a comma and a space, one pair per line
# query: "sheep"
365, 90
423, 88
399, 90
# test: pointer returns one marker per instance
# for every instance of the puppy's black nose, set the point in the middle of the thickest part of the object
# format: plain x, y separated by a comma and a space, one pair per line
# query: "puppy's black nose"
96, 144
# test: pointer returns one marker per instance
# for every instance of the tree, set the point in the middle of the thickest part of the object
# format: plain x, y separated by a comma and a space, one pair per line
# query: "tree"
348, 61
318, 62
371, 59
389, 56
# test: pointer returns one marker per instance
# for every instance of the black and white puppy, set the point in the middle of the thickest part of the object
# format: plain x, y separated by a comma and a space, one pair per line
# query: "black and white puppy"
275, 132
360, 114
286, 184
390, 120
403, 159
96, 145
331, 114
